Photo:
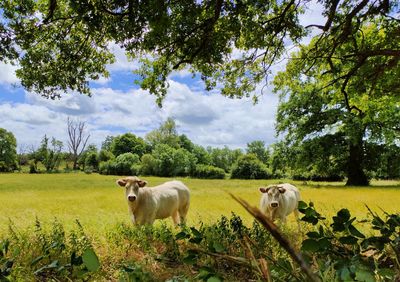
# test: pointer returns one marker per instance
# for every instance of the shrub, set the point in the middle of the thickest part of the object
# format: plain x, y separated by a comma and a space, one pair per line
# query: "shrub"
107, 168
124, 162
136, 169
250, 167
172, 162
148, 165
163, 153
48, 255
122, 165
209, 171
105, 155
92, 161
33, 168
184, 162
352, 255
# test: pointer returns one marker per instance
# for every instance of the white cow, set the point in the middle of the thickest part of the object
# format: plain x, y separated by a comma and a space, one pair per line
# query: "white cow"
278, 201
149, 203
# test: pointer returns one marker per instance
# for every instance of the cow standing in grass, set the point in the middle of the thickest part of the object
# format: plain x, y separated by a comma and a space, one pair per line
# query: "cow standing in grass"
278, 201
146, 204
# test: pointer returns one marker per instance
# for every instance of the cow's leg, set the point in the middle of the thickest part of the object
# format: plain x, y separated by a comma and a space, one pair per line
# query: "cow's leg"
183, 212
176, 217
133, 219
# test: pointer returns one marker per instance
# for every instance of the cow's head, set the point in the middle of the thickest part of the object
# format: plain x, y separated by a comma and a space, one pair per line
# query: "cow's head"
132, 185
274, 193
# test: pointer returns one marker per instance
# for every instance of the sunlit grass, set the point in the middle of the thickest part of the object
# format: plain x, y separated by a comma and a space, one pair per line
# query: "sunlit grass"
98, 203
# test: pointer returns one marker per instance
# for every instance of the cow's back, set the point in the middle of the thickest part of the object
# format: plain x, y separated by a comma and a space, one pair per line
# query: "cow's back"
290, 198
174, 187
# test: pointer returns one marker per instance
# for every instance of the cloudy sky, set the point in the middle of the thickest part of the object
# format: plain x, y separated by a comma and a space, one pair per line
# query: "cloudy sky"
118, 106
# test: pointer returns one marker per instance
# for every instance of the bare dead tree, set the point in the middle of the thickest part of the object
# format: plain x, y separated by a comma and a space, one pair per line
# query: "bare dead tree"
77, 139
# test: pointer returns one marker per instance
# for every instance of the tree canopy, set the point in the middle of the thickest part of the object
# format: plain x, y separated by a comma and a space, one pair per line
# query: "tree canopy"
319, 98
60, 45
8, 151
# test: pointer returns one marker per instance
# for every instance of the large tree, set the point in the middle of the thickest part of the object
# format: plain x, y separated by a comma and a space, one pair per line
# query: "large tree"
166, 134
61, 45
77, 139
341, 94
128, 143
8, 151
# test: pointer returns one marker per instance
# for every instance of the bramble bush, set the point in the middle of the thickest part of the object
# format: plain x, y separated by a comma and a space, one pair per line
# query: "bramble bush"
341, 251
44, 255
227, 250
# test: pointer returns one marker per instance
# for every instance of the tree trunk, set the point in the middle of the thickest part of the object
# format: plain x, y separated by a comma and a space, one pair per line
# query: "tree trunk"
355, 173
75, 165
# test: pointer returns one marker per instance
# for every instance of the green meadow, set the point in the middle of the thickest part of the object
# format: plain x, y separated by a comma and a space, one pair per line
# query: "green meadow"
98, 203
40, 239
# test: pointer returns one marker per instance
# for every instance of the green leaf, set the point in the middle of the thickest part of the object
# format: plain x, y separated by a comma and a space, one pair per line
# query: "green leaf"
218, 247
310, 245
214, 279
353, 231
338, 226
182, 235
344, 274
342, 216
349, 240
301, 206
90, 260
191, 258
365, 275
314, 235
324, 243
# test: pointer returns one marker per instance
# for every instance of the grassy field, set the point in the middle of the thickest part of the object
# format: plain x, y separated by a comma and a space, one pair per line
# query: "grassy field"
98, 203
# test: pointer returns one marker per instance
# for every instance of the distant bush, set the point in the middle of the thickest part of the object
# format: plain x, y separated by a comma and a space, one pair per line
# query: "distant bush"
91, 161
250, 167
33, 168
209, 171
172, 162
136, 169
105, 155
148, 165
122, 165
107, 168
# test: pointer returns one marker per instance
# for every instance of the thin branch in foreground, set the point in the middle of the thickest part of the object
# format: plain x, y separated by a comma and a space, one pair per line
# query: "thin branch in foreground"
272, 228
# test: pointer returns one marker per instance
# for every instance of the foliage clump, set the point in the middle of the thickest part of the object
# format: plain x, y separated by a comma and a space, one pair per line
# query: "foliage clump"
250, 167
209, 172
226, 250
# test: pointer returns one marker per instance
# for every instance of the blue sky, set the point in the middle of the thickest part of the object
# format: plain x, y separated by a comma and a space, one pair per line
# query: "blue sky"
118, 106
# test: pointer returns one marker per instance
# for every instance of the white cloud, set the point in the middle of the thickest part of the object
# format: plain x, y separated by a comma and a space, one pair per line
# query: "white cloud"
102, 80
122, 63
7, 74
206, 119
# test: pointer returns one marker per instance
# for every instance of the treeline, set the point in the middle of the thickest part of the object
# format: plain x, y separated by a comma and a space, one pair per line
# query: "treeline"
164, 152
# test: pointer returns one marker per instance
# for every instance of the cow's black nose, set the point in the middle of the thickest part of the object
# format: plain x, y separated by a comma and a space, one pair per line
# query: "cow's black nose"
131, 198
274, 205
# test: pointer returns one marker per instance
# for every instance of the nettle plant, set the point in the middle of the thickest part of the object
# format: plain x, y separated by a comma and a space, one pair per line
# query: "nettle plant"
341, 250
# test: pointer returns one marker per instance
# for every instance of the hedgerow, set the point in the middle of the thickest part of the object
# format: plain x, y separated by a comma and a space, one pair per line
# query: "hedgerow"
227, 250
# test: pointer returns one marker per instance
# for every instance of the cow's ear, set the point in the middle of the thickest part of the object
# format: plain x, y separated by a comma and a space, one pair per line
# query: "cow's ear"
282, 190
142, 183
121, 182
264, 190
